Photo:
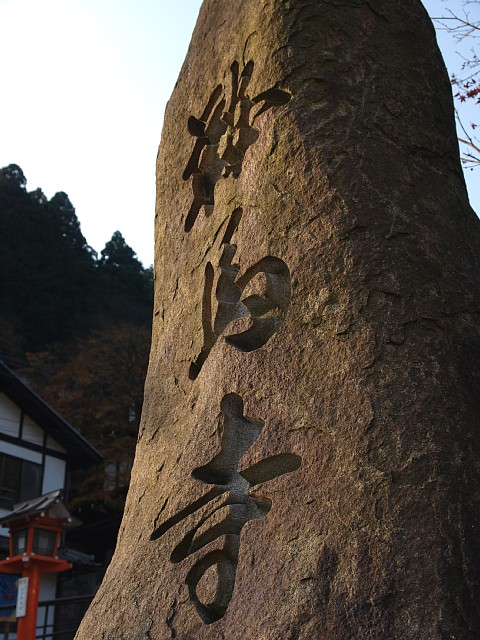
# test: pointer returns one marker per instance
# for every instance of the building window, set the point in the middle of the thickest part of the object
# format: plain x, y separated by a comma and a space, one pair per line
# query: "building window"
117, 475
20, 480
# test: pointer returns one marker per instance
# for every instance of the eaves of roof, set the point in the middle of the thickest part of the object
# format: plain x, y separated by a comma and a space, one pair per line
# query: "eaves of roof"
80, 453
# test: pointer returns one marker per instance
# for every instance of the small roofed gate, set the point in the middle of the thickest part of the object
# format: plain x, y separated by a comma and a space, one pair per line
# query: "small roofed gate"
307, 465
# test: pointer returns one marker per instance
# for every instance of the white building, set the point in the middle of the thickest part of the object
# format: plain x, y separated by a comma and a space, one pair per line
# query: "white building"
37, 450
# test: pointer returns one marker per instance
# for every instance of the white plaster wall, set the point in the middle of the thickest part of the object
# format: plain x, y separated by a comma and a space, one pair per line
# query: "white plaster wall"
21, 452
53, 444
17, 452
54, 469
9, 417
31, 432
48, 590
3, 530
54, 474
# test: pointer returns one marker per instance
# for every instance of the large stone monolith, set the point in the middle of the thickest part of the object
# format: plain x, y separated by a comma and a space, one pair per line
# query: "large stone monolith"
308, 461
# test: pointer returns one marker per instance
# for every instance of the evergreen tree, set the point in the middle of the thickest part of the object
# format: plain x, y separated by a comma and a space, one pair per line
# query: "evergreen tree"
52, 285
82, 321
127, 287
12, 177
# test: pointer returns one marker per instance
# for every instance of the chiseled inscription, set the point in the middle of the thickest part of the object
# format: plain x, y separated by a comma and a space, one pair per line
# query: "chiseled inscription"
222, 512
264, 307
223, 133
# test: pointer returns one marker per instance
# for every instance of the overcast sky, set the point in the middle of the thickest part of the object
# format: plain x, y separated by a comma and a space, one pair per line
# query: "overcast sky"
84, 88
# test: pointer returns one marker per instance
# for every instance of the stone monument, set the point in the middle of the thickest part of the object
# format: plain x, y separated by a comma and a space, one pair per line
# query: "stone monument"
308, 461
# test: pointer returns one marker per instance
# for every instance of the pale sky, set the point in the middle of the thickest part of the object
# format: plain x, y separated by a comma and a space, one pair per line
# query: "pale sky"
84, 87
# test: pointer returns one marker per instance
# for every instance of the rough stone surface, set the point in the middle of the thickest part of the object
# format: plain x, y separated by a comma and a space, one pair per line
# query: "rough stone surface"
310, 437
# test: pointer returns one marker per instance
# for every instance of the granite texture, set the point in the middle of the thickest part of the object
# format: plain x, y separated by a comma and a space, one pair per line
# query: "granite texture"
308, 461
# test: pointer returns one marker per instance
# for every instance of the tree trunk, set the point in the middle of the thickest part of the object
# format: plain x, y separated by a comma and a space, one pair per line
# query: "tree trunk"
308, 462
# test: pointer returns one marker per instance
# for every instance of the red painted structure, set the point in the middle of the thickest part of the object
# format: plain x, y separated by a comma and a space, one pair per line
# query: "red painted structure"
35, 530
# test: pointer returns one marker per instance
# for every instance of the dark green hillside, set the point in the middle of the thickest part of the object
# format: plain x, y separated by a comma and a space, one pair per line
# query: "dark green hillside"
53, 287
77, 326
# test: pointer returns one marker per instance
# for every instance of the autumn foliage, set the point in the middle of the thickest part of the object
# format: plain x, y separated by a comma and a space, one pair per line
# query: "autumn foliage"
464, 27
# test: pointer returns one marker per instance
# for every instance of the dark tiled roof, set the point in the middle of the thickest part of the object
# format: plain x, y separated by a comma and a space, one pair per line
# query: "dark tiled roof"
51, 502
80, 453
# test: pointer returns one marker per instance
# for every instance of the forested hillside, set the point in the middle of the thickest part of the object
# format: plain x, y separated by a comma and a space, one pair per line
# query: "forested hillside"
76, 325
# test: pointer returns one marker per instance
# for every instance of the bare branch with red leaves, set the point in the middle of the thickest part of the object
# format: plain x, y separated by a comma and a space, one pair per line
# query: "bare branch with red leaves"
462, 26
